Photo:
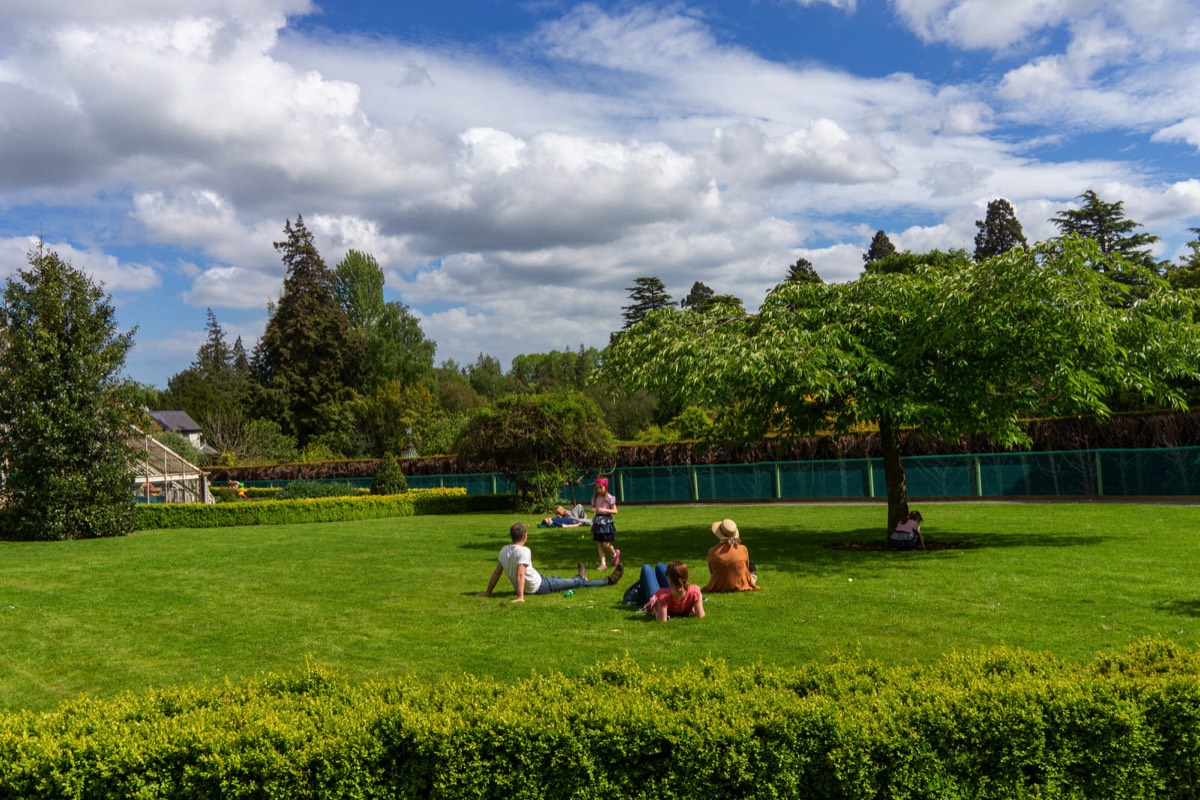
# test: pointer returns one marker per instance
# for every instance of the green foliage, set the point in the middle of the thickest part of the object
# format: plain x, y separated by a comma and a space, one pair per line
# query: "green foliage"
881, 246
181, 445
1033, 332
314, 509
441, 434
692, 423
999, 231
384, 417
698, 297
455, 393
911, 262
297, 490
1106, 225
803, 272
359, 288
63, 419
646, 295
627, 414
1000, 725
395, 347
307, 356
555, 370
389, 478
487, 377
1187, 274
218, 381
535, 439
227, 494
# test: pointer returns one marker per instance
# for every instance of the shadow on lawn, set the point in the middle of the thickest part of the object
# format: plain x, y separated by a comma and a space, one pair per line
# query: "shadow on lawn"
1184, 608
773, 549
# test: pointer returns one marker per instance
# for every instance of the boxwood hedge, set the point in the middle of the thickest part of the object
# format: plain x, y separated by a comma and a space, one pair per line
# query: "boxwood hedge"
318, 509
998, 724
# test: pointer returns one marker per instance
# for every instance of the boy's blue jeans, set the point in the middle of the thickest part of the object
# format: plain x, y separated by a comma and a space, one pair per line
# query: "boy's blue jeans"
553, 583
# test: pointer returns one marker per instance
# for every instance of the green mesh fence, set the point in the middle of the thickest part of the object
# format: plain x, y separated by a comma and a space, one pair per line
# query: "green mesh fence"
1089, 473
1077, 473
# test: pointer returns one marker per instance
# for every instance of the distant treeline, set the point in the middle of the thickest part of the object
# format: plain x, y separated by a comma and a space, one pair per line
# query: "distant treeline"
1175, 429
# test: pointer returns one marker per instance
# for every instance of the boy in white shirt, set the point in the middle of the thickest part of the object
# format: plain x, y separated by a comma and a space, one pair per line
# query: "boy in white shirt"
516, 561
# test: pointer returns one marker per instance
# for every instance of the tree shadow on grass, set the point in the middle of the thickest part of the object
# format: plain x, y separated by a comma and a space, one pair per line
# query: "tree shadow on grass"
773, 549
1184, 608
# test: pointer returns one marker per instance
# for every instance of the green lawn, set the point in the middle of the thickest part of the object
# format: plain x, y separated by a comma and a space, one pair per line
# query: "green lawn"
396, 596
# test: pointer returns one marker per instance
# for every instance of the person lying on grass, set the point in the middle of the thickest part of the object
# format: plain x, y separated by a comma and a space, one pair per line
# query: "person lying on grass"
516, 561
679, 598
561, 519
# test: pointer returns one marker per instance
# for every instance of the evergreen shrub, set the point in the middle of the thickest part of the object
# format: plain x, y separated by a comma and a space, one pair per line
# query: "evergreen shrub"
995, 725
389, 478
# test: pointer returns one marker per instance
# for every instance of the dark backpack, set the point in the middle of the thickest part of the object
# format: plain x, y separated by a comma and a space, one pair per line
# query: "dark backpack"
635, 595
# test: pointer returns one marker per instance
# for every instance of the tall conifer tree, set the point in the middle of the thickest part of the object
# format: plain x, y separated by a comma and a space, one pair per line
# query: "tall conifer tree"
306, 357
999, 231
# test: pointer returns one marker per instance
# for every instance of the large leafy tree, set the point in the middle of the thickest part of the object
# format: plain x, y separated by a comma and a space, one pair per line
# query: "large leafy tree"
698, 297
999, 230
908, 261
396, 348
951, 352
359, 288
487, 377
307, 357
64, 410
540, 441
1114, 234
555, 370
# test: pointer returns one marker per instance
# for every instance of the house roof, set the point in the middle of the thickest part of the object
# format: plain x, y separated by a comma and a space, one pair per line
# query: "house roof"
177, 421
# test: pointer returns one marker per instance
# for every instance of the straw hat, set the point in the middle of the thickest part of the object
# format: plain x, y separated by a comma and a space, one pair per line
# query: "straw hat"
725, 529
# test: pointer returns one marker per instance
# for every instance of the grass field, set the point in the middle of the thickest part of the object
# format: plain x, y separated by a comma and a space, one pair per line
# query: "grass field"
396, 596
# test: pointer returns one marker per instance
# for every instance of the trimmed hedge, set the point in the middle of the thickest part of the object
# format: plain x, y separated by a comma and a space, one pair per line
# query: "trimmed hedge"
319, 509
1001, 724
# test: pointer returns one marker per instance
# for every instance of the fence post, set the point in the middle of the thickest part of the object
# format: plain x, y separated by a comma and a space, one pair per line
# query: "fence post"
870, 479
778, 483
1099, 476
621, 486
978, 477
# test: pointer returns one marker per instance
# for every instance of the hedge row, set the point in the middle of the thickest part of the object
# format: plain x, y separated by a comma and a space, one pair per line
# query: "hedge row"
318, 509
1001, 724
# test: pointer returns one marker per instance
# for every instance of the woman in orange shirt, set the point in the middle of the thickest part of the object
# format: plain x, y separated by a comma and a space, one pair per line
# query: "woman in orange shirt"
729, 564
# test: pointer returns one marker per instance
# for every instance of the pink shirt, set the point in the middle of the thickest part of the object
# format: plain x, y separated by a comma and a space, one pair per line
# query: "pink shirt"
677, 608
604, 504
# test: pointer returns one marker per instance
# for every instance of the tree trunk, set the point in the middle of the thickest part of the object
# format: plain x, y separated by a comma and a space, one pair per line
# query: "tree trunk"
893, 472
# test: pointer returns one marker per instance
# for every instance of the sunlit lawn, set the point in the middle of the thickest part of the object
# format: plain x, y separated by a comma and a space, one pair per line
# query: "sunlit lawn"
397, 596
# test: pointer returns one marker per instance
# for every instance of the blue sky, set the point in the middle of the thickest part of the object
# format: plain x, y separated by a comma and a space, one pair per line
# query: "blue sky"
515, 166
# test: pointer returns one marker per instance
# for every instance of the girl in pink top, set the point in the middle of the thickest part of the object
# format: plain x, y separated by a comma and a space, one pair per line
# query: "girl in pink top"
604, 532
680, 599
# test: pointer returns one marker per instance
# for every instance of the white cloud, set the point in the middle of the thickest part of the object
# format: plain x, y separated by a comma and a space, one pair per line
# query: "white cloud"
821, 151
232, 287
607, 146
107, 271
845, 5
